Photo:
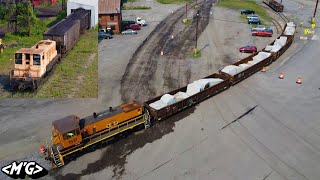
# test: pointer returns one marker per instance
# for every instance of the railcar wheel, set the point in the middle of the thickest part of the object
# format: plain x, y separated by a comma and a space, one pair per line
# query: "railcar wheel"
21, 87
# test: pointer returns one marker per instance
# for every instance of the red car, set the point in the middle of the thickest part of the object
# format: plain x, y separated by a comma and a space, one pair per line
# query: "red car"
262, 33
134, 27
248, 49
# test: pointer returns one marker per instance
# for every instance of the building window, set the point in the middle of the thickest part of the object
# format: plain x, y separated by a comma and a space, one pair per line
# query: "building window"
113, 27
18, 58
112, 17
36, 59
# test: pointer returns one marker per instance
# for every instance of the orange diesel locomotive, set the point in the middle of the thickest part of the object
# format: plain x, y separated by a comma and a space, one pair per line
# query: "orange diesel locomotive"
72, 134
31, 64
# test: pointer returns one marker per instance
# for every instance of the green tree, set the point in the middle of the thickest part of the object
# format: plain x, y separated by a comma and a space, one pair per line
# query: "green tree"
27, 20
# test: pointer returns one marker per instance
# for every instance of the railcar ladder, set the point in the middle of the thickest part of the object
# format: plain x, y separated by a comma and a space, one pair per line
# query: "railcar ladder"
56, 158
146, 118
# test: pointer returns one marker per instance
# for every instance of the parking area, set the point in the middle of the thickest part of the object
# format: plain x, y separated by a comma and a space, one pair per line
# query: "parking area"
115, 54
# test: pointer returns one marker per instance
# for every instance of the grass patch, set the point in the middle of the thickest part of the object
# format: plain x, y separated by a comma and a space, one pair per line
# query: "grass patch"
196, 53
89, 88
186, 21
65, 78
3, 23
174, 1
245, 4
135, 7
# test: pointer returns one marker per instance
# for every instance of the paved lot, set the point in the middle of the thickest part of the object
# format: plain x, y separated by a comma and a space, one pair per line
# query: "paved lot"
279, 139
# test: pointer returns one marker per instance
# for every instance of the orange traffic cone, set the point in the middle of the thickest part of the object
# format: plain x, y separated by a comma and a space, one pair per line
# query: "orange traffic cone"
281, 76
299, 80
264, 69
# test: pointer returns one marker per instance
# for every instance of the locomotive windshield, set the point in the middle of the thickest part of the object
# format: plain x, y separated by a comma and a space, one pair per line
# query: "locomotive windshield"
18, 58
36, 59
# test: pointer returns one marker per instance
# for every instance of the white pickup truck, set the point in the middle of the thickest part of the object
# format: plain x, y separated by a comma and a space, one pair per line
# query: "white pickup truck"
141, 22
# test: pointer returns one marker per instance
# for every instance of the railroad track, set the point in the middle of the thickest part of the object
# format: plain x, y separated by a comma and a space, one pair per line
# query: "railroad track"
273, 20
277, 25
144, 64
281, 15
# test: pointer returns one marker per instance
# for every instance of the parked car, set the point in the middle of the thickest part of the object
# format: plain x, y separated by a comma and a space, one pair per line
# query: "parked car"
254, 20
248, 49
269, 30
134, 27
129, 31
247, 11
253, 15
262, 33
103, 35
259, 27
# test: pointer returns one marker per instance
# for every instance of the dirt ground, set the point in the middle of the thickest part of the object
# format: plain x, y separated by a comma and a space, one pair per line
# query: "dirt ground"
154, 74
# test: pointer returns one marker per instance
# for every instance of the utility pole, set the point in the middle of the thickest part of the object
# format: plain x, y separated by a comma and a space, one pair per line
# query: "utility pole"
197, 30
315, 10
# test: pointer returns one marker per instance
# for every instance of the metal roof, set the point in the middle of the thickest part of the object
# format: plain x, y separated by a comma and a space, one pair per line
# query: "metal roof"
127, 107
109, 6
62, 27
66, 124
30, 51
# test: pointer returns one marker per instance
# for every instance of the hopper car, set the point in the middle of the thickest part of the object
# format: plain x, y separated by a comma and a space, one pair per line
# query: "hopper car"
73, 134
27, 72
273, 4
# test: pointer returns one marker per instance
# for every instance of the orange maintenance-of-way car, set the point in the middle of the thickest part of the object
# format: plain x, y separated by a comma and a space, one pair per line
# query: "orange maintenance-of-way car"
31, 64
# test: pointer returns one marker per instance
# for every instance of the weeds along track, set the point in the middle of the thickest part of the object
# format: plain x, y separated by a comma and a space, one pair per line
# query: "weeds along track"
138, 81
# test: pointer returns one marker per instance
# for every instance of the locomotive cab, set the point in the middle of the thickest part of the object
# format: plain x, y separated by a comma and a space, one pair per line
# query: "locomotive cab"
66, 132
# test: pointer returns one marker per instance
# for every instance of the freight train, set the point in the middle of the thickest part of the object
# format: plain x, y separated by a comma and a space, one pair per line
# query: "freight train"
273, 4
73, 134
32, 65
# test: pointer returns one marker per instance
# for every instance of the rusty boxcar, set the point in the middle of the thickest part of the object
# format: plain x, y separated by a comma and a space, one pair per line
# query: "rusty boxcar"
84, 16
66, 33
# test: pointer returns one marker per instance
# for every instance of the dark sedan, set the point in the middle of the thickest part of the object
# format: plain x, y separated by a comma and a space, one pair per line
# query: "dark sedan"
248, 49
103, 35
247, 11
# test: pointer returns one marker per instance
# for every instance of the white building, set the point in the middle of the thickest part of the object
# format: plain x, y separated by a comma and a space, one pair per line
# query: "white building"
85, 4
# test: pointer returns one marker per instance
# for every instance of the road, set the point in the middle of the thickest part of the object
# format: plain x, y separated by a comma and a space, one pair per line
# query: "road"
279, 139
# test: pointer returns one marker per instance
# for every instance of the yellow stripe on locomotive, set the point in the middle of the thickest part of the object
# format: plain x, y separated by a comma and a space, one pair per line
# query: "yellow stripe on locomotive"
71, 130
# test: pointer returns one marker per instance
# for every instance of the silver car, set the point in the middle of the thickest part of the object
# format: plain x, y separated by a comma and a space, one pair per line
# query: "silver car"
129, 31
248, 17
259, 28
